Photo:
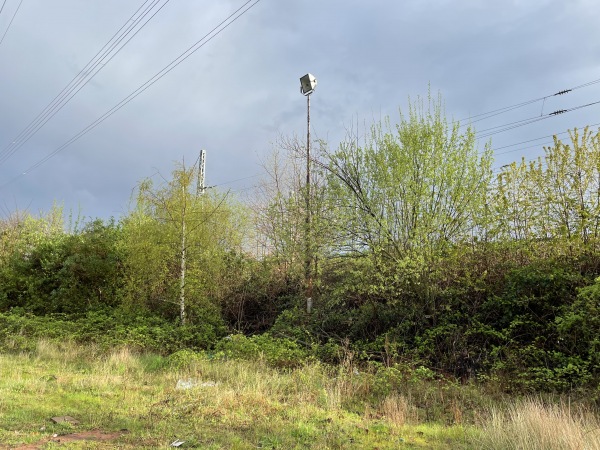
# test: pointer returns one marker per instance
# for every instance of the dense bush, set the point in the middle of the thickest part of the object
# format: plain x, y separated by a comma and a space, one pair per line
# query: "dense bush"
277, 352
108, 329
64, 273
525, 314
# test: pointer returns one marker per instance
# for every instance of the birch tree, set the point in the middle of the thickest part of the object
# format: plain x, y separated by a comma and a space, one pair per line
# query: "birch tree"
176, 244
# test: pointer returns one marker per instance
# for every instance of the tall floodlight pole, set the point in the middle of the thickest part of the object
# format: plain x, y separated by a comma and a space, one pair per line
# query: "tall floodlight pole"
307, 86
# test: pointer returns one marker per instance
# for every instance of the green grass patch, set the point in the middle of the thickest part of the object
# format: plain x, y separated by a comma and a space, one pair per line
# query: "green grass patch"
209, 403
127, 400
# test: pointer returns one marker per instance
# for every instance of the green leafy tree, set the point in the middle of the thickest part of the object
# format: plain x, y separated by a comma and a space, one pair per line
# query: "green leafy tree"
411, 190
177, 242
571, 186
553, 199
416, 187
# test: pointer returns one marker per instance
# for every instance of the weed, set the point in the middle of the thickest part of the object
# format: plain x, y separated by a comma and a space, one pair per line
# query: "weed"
533, 425
245, 404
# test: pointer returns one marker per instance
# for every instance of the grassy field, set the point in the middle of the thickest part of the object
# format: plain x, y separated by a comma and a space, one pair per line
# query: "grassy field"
128, 401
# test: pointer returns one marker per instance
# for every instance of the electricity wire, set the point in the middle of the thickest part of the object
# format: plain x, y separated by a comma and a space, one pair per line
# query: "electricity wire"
520, 123
160, 74
533, 140
91, 69
505, 109
236, 180
3, 5
544, 144
11, 20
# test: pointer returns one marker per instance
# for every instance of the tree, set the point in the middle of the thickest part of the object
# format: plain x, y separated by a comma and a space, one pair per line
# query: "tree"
176, 243
284, 231
555, 198
413, 189
571, 185
517, 203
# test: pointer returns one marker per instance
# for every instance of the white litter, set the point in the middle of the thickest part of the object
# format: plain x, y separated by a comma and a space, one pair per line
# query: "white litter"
192, 383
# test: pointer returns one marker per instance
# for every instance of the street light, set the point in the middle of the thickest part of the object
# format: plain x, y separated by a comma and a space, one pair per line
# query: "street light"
308, 83
307, 86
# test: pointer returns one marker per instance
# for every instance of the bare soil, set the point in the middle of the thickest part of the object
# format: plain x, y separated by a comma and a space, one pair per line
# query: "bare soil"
95, 435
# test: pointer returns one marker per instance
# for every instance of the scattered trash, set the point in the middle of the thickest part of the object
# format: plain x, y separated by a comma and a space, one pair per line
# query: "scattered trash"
65, 419
186, 384
192, 383
177, 443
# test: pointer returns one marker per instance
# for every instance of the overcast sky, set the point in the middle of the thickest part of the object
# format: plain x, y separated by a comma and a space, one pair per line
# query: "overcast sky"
240, 91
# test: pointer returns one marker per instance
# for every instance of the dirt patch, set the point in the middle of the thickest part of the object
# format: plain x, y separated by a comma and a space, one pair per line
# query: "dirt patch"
94, 435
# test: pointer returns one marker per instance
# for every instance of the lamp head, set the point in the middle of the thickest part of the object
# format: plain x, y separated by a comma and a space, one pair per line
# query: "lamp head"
308, 83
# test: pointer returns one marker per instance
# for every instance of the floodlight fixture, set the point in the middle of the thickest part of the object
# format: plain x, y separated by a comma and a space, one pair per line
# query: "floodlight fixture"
308, 83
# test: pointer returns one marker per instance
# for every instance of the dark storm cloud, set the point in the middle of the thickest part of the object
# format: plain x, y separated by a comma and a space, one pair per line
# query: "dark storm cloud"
240, 91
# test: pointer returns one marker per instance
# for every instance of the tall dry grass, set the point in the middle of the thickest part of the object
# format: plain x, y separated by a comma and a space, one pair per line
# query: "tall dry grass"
532, 425
398, 410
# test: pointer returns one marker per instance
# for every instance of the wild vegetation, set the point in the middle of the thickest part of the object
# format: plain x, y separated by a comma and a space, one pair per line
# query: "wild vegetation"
419, 259
209, 400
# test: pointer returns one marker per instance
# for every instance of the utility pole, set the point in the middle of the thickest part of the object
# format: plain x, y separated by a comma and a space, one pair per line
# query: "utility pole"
200, 185
200, 188
307, 86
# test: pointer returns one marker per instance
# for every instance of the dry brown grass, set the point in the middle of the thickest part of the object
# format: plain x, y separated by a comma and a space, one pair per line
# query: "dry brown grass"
530, 424
398, 410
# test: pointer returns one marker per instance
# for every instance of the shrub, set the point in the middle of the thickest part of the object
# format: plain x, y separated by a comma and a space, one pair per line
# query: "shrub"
184, 359
277, 352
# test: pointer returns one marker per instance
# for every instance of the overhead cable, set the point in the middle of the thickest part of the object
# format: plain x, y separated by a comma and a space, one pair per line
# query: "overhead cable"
2, 7
85, 75
533, 140
11, 20
505, 109
520, 123
168, 68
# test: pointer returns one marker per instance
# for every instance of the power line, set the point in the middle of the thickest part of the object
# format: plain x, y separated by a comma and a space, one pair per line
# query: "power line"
79, 80
505, 109
520, 123
527, 142
2, 8
498, 168
499, 111
508, 126
164, 71
85, 75
234, 181
11, 20
533, 140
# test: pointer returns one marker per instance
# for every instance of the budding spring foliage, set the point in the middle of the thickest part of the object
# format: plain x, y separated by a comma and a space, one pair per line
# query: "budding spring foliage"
555, 197
415, 187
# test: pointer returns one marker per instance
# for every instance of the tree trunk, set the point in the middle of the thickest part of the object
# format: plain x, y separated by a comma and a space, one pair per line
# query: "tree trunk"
182, 276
